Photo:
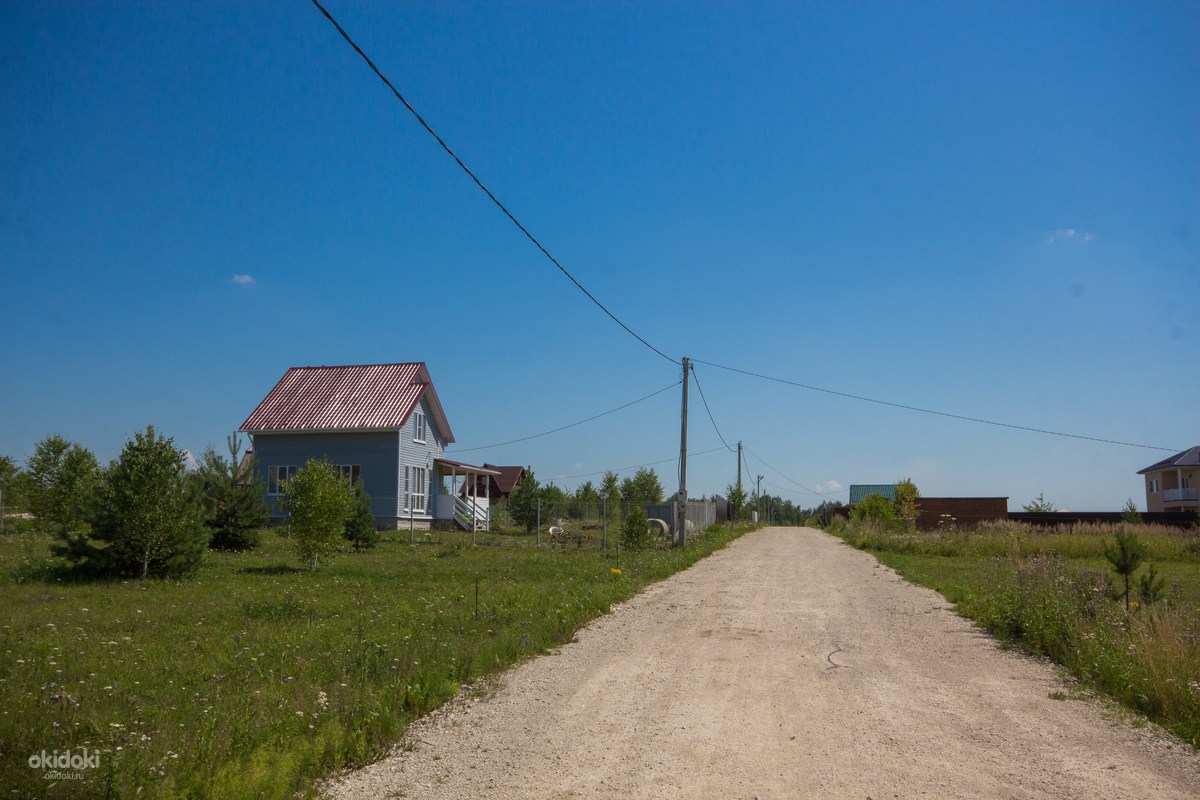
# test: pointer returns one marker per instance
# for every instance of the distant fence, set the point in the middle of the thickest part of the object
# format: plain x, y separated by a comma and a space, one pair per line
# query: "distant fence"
701, 513
1052, 519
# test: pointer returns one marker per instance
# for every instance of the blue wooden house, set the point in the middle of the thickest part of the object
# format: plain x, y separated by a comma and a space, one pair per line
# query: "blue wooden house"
381, 423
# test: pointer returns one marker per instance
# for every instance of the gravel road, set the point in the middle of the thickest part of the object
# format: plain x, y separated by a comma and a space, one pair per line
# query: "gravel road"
786, 666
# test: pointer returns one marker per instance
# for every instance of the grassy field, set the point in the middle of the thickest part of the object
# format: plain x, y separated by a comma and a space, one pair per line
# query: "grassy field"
256, 678
1049, 592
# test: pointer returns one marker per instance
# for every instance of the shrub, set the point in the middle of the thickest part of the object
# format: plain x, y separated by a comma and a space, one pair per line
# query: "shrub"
320, 503
874, 507
635, 530
907, 506
147, 518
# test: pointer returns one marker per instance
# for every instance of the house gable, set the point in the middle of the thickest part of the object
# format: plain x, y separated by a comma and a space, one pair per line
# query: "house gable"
381, 422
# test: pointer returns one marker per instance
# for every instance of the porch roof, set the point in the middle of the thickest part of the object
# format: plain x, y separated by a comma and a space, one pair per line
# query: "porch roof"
466, 469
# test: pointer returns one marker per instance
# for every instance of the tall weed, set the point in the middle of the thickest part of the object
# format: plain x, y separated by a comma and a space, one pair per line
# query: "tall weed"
1036, 589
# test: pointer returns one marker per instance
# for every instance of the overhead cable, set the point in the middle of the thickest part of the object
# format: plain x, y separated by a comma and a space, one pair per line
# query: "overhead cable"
785, 477
635, 466
480, 184
709, 410
930, 411
573, 424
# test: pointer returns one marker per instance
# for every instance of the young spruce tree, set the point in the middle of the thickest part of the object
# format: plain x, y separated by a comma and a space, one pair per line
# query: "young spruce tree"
147, 520
233, 500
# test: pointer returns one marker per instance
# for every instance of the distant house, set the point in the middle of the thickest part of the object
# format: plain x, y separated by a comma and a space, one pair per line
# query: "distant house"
940, 512
497, 487
1171, 484
859, 492
381, 423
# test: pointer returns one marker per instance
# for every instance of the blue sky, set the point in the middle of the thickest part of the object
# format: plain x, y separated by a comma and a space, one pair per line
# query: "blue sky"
987, 209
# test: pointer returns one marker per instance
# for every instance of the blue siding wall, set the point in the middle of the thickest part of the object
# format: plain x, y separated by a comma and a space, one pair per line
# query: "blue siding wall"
375, 453
416, 454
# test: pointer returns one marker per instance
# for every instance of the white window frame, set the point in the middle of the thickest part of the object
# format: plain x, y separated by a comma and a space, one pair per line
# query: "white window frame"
278, 475
419, 427
419, 496
1154, 486
351, 472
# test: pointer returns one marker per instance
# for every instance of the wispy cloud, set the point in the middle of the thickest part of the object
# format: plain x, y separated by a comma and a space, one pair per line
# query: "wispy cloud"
829, 486
1069, 235
244, 280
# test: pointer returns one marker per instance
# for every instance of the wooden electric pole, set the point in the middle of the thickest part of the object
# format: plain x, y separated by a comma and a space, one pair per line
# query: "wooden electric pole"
681, 509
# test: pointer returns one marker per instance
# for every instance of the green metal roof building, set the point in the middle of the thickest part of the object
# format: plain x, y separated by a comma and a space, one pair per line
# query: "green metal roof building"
861, 491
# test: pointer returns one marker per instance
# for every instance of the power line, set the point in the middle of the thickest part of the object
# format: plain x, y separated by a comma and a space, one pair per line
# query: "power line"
573, 424
710, 414
785, 477
930, 411
643, 341
635, 466
480, 184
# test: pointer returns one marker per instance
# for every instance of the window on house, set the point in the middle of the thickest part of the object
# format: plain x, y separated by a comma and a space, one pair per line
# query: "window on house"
351, 472
419, 488
277, 476
419, 427
1154, 486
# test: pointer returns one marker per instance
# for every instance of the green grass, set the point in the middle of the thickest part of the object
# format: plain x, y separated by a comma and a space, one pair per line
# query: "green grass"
257, 678
1047, 593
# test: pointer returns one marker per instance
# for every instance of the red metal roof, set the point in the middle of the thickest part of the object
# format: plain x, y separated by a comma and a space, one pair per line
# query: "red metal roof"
509, 477
364, 396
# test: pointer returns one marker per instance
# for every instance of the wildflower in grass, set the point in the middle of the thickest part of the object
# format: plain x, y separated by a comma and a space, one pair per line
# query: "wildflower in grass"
614, 570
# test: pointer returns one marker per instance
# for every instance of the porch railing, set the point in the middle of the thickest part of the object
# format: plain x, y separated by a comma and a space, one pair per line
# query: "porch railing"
1178, 495
465, 508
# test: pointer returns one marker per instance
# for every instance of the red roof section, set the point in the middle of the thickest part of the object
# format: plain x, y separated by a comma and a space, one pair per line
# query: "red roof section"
364, 396
508, 478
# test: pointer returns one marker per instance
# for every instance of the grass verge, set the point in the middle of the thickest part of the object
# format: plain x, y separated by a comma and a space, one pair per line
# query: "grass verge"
1050, 594
257, 678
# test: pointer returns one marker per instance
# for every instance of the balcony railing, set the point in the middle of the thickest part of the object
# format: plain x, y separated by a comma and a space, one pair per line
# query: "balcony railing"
1180, 495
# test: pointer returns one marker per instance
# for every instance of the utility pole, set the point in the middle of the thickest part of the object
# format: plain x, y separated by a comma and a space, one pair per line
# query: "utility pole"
739, 483
758, 494
681, 498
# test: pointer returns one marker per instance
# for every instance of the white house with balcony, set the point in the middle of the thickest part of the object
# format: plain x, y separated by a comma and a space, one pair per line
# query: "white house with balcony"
1173, 484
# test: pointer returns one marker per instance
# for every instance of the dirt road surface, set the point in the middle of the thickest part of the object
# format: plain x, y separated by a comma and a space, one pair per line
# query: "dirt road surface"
785, 666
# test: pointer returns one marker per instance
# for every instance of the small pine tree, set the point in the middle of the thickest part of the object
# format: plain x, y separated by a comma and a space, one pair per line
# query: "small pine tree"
360, 528
610, 495
1039, 505
1130, 514
233, 500
147, 519
1151, 586
523, 502
320, 502
1126, 554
